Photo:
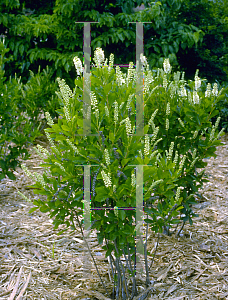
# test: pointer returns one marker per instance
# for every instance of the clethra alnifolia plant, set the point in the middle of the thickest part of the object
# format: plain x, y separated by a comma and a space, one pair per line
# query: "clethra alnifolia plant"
158, 168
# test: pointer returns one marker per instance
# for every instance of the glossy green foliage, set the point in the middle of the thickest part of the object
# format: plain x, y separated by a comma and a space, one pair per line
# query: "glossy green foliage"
38, 95
211, 56
47, 33
16, 132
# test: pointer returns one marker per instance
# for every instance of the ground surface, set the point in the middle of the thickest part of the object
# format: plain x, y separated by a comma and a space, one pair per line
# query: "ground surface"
37, 264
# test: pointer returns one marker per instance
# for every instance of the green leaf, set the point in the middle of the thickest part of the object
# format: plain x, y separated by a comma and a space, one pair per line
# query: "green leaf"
111, 136
100, 237
80, 122
107, 88
120, 35
196, 36
214, 113
110, 227
176, 46
109, 251
122, 214
44, 209
41, 192
11, 175
58, 203
33, 209
160, 207
124, 161
149, 221
165, 50
66, 128
21, 49
156, 48
101, 194
119, 151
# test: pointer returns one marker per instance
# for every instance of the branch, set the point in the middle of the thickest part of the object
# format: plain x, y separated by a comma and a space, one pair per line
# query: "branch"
91, 254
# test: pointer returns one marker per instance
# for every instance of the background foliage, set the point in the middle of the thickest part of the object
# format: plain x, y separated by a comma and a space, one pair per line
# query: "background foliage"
45, 33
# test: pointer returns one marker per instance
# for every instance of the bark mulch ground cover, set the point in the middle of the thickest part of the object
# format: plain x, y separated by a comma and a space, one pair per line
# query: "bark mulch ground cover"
36, 263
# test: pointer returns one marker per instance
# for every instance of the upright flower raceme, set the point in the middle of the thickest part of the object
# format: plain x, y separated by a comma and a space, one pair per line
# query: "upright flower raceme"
59, 165
119, 76
170, 153
166, 66
177, 194
176, 77
106, 178
214, 127
27, 172
194, 154
49, 119
151, 121
133, 179
168, 109
129, 101
93, 100
111, 61
51, 142
176, 158
130, 73
155, 134
208, 91
39, 153
154, 184
195, 97
197, 81
67, 113
115, 112
182, 163
128, 125
195, 134
147, 145
72, 146
107, 158
183, 92
181, 122
193, 163
165, 82
66, 92
94, 103
78, 65
215, 89
148, 80
167, 124
106, 111
143, 60
44, 150
99, 56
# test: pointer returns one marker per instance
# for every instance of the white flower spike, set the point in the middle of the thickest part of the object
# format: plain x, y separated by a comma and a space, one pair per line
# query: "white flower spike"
78, 65
166, 66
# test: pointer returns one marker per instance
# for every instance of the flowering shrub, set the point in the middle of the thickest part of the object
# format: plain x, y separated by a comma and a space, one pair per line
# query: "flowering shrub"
183, 115
222, 107
117, 158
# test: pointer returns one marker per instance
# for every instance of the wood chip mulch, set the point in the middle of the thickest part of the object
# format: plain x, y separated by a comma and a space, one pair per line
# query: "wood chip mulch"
36, 263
